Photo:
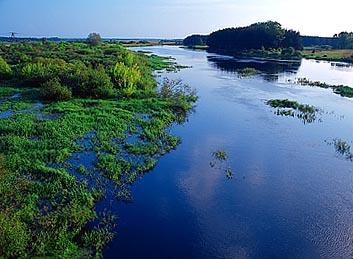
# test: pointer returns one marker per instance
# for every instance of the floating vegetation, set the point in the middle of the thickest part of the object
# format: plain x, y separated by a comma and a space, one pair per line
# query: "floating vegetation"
219, 161
220, 155
247, 72
343, 90
229, 173
342, 148
285, 107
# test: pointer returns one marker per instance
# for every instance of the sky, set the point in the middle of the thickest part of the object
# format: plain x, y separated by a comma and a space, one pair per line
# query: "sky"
168, 18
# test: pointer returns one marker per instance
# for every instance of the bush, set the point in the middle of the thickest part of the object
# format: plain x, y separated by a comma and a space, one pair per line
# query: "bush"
54, 91
43, 70
99, 84
5, 69
89, 82
127, 77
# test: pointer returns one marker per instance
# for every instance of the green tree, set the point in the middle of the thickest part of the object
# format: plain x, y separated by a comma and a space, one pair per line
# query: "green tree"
94, 39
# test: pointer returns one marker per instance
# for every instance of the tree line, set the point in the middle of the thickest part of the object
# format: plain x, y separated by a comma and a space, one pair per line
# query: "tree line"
263, 35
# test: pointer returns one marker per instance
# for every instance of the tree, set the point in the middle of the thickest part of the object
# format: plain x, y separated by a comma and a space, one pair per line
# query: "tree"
195, 40
292, 39
94, 39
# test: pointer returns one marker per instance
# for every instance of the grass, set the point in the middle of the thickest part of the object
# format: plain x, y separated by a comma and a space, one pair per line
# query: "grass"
164, 63
285, 107
344, 55
343, 90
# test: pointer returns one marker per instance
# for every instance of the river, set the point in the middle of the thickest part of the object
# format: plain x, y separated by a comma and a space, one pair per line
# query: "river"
291, 194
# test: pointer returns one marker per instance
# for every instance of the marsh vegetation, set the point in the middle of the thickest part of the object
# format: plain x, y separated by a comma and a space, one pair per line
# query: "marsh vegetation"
72, 110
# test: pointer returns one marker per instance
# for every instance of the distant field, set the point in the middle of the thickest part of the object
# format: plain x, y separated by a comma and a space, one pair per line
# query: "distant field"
331, 55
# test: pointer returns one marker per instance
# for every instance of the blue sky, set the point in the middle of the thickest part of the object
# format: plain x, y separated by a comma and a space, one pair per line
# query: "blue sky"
168, 18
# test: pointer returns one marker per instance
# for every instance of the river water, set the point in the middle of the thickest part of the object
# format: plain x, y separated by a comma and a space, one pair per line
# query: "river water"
291, 195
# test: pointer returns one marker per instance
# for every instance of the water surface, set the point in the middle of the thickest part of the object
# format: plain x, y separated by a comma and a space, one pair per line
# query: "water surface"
291, 195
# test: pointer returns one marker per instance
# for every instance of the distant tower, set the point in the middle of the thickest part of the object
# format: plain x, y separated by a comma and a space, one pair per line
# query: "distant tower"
13, 35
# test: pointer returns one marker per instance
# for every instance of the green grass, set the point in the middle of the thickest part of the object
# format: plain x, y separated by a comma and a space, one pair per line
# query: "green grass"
164, 63
344, 55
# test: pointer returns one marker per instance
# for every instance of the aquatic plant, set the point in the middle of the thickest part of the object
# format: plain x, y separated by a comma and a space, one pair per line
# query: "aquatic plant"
343, 90
220, 155
343, 148
285, 107
219, 162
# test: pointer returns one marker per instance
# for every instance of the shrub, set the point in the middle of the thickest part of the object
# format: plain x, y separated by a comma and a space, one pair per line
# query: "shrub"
54, 91
127, 77
5, 69
89, 82
99, 84
43, 70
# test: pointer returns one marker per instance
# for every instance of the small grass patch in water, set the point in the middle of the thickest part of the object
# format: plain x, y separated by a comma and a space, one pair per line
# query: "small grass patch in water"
343, 90
285, 107
220, 155
220, 162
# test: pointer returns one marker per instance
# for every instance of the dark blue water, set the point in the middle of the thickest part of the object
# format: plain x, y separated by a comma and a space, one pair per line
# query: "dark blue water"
291, 195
